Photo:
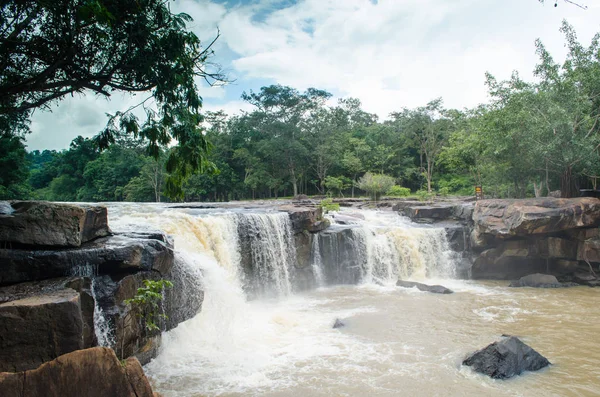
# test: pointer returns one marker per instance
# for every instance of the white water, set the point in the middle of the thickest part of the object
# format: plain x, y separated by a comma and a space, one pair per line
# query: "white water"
236, 346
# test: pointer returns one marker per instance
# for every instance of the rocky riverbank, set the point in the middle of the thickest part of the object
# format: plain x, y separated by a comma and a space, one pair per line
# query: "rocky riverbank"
65, 277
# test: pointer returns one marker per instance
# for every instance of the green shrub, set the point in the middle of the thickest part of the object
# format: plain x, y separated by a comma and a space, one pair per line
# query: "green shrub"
398, 191
375, 184
147, 299
423, 195
328, 205
444, 191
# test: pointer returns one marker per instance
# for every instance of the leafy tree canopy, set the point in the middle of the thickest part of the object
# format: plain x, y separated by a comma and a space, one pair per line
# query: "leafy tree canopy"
53, 48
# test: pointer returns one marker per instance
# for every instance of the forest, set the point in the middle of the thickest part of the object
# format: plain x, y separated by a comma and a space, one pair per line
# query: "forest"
531, 139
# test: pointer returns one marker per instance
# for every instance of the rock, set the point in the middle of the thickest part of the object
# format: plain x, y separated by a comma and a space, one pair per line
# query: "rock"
52, 224
429, 214
436, 289
479, 241
338, 324
47, 287
558, 248
94, 372
589, 250
505, 218
121, 253
345, 219
340, 250
584, 234
492, 264
505, 359
463, 212
39, 328
457, 235
304, 218
318, 226
400, 205
539, 280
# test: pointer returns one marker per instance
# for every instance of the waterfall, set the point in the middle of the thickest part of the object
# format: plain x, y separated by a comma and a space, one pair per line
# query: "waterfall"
255, 249
382, 249
316, 261
102, 327
268, 252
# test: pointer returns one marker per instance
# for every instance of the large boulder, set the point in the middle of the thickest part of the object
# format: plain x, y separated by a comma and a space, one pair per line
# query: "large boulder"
39, 328
94, 372
506, 218
505, 359
305, 218
430, 213
34, 289
539, 280
436, 289
52, 224
121, 253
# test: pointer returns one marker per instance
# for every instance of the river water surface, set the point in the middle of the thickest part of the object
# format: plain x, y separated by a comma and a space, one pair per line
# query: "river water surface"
396, 342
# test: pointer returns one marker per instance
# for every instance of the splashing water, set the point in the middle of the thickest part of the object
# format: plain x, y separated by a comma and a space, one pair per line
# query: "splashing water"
236, 346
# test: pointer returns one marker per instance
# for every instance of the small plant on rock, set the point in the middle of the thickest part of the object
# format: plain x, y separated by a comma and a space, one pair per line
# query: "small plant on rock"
147, 300
328, 205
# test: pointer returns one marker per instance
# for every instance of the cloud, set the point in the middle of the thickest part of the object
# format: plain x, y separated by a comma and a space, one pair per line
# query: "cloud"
388, 53
394, 53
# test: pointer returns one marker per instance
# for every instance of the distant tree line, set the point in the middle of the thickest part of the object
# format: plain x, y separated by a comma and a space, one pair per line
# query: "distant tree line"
530, 139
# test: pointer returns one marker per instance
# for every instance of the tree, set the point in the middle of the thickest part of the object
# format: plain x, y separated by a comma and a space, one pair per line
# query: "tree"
282, 114
430, 127
375, 184
14, 168
50, 49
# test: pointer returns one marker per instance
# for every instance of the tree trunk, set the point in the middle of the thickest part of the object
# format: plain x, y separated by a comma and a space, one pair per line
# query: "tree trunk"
547, 180
567, 184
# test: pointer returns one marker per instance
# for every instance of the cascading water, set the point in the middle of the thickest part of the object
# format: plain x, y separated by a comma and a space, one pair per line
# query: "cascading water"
396, 341
235, 344
316, 261
267, 251
381, 249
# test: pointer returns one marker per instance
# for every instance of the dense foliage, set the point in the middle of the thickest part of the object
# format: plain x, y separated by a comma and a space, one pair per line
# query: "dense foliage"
50, 49
530, 139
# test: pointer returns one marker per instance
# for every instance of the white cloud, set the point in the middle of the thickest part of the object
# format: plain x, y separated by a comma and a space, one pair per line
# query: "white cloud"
390, 55
398, 53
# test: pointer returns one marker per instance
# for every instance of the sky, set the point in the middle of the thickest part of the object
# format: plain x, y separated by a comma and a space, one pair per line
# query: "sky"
390, 54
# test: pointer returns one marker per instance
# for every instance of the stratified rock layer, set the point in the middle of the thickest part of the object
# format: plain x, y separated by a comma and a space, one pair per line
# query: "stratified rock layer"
505, 218
52, 224
122, 253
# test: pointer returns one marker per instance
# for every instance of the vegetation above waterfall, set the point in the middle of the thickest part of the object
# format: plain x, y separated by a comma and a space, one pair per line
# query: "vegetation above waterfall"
530, 139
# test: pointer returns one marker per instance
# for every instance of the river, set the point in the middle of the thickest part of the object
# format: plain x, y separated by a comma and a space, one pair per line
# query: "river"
396, 342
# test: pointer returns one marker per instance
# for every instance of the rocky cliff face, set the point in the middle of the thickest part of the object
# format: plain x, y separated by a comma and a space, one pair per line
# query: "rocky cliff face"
508, 239
62, 270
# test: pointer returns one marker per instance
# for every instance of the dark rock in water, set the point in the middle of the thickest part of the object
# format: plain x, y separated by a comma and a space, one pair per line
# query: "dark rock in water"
94, 372
505, 359
52, 224
539, 280
338, 323
436, 289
